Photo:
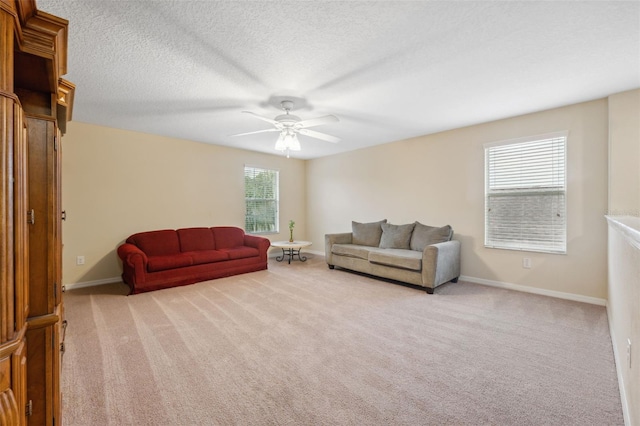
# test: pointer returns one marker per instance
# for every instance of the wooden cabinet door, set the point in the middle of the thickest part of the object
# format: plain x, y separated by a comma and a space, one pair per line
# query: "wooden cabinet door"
43, 200
43, 372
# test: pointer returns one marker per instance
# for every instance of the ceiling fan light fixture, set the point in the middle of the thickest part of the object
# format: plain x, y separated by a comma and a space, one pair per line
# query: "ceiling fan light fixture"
280, 145
294, 143
287, 141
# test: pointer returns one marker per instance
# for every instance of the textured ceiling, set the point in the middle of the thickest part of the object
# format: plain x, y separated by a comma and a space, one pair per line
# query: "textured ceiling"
389, 70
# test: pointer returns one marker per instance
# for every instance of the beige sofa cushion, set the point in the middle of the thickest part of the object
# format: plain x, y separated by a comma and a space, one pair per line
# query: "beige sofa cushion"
399, 258
367, 234
351, 250
396, 236
424, 235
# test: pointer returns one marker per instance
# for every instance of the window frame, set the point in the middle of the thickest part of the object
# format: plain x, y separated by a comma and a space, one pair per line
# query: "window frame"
276, 190
558, 244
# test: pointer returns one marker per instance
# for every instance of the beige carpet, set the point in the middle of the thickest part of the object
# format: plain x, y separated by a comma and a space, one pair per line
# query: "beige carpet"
300, 344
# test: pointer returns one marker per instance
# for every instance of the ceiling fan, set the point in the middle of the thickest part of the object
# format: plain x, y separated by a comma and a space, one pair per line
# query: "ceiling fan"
290, 125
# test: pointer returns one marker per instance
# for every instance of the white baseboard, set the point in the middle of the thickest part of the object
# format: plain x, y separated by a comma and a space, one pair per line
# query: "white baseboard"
535, 290
92, 283
619, 363
516, 287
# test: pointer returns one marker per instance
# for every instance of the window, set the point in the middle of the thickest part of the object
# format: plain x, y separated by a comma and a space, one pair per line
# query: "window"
525, 202
261, 199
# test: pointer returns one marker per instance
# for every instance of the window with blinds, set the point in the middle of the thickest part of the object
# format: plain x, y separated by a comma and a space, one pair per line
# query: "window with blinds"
261, 200
525, 194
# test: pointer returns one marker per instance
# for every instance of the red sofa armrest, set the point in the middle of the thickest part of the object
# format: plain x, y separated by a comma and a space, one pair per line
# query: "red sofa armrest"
261, 243
134, 264
131, 254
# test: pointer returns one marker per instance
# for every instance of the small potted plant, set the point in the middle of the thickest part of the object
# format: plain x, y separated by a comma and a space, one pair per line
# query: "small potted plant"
291, 225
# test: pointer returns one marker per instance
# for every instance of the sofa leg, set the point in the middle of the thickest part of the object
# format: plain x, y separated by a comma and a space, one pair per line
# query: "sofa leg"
455, 280
331, 266
429, 290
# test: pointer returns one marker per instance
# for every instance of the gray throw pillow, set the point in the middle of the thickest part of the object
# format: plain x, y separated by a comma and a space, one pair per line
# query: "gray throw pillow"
396, 236
424, 235
367, 234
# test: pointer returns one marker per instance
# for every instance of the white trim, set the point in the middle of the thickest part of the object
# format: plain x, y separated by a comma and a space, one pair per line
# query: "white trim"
535, 290
551, 135
619, 363
92, 283
509, 286
528, 289
628, 227
261, 167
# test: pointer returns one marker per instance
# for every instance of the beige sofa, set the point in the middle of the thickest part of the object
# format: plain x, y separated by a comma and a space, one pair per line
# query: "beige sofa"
412, 253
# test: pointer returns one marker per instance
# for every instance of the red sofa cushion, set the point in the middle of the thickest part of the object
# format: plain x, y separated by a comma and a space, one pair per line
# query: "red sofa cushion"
241, 252
207, 256
157, 243
228, 236
195, 239
162, 263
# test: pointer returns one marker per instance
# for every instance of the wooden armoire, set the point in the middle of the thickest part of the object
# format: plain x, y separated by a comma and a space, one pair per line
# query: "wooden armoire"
35, 105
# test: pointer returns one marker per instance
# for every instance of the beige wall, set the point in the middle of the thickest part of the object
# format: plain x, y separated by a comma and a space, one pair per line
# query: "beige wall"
439, 179
624, 153
117, 182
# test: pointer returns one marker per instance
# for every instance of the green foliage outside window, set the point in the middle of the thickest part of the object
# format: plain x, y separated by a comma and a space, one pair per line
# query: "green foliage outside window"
261, 198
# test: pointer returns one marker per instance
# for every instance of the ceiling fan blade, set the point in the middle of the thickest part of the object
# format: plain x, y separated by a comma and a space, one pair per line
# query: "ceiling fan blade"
257, 131
268, 120
317, 121
318, 135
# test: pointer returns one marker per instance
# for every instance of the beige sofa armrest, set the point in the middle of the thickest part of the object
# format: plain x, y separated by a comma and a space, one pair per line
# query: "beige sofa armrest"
330, 240
441, 263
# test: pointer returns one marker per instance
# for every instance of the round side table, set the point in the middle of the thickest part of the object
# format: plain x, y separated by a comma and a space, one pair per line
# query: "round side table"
291, 249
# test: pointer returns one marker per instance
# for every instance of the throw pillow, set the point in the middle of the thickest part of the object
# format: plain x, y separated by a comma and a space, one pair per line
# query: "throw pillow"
396, 236
367, 234
424, 235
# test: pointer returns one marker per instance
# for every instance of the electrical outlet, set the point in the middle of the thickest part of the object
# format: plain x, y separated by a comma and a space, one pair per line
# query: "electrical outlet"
80, 260
629, 352
526, 262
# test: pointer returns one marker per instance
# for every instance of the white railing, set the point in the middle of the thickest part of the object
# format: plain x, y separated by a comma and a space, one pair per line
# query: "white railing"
623, 308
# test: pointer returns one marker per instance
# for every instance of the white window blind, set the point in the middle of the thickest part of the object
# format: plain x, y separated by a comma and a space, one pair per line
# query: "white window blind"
261, 199
525, 196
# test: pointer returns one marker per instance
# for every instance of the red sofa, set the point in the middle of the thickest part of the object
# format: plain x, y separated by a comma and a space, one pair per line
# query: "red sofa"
168, 258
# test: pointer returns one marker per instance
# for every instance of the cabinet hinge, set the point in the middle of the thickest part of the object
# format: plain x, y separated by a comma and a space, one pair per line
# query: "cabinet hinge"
29, 408
62, 348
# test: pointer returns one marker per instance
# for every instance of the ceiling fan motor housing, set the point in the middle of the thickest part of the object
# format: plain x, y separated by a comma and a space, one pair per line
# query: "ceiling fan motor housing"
287, 119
